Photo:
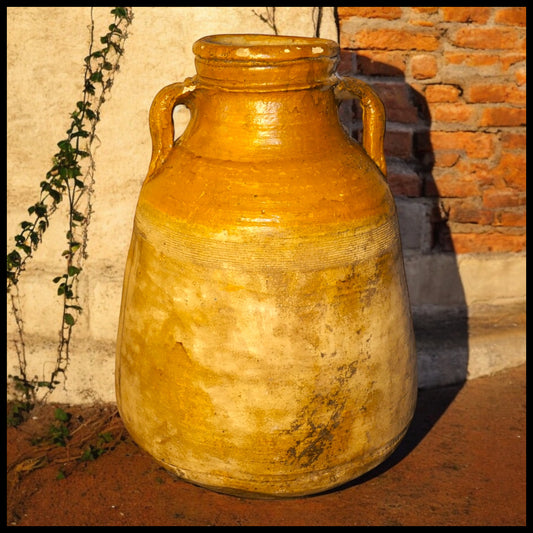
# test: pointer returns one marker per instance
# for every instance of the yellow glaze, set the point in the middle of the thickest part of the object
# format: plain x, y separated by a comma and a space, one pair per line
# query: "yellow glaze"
265, 345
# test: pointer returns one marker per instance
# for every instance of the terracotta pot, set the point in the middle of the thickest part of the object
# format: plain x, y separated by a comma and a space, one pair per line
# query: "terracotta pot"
265, 345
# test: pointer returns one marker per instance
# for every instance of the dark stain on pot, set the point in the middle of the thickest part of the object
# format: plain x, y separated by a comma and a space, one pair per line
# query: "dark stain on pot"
318, 437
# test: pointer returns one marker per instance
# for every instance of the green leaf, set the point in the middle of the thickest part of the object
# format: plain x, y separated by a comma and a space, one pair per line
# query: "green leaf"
65, 145
69, 319
25, 248
77, 216
55, 195
72, 270
96, 76
14, 258
106, 437
89, 87
61, 415
119, 12
41, 210
80, 133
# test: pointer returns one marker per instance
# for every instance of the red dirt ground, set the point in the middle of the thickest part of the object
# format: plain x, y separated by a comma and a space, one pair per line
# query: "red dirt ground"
462, 463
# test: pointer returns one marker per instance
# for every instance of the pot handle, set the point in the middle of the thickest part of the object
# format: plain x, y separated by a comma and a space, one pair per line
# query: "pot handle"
373, 116
161, 122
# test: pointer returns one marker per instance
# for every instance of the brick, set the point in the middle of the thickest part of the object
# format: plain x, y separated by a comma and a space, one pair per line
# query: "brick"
503, 116
474, 144
388, 39
520, 76
425, 10
422, 141
347, 63
442, 93
423, 66
480, 15
399, 143
446, 158
512, 218
451, 113
513, 141
486, 38
468, 211
510, 60
450, 184
404, 181
487, 242
487, 92
396, 99
478, 170
503, 198
389, 13
512, 169
471, 59
372, 63
423, 150
512, 16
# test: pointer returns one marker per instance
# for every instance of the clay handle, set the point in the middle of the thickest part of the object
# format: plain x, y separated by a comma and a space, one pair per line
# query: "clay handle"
373, 116
161, 122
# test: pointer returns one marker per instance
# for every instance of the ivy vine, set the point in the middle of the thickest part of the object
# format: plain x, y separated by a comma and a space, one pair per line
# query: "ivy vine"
71, 177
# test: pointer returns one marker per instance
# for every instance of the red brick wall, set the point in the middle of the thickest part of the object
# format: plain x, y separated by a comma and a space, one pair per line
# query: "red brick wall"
453, 81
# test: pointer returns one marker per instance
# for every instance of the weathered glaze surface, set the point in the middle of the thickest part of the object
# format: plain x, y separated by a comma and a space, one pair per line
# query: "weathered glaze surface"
265, 345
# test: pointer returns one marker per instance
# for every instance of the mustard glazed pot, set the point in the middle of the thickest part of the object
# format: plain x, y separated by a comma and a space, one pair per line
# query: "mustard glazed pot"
265, 345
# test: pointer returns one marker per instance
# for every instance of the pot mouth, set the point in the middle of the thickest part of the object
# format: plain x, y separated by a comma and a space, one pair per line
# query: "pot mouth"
252, 47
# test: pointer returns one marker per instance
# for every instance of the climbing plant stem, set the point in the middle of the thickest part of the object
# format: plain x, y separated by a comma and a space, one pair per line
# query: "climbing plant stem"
71, 177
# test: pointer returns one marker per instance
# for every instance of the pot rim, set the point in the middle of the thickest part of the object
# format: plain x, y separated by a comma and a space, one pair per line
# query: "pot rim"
255, 47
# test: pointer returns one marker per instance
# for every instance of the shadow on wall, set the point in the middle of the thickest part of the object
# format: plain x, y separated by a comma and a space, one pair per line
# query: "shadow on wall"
437, 297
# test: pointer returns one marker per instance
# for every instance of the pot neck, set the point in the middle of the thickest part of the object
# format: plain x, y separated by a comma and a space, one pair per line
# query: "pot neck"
252, 62
249, 125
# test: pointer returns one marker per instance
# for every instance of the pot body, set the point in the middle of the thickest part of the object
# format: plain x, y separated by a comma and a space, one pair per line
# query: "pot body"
265, 345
